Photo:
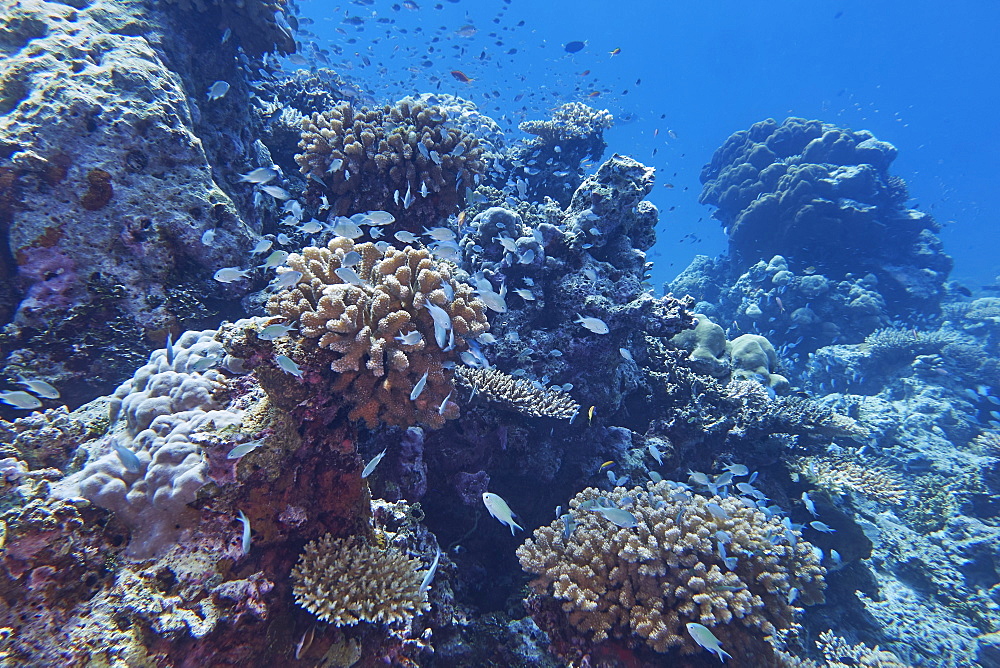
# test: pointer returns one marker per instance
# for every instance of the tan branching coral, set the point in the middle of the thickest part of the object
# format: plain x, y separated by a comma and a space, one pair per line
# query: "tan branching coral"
344, 581
651, 580
839, 475
517, 394
376, 158
838, 654
370, 322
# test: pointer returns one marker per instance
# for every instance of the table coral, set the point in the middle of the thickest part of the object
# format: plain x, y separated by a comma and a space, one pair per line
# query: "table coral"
375, 158
517, 393
364, 323
648, 581
344, 581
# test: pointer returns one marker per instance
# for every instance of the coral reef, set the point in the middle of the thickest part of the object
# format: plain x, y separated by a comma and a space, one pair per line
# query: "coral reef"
382, 327
406, 159
840, 475
344, 581
517, 393
615, 581
169, 408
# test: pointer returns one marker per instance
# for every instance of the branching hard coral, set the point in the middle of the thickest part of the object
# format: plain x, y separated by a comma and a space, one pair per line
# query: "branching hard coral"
615, 582
797, 415
892, 345
382, 158
838, 654
382, 328
839, 475
344, 581
517, 393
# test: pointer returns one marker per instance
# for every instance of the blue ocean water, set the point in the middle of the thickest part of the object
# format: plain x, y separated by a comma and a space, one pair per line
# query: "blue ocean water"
920, 75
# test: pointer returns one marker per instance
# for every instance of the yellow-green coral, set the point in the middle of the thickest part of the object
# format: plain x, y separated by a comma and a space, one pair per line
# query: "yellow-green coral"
754, 358
650, 580
708, 346
375, 158
365, 323
344, 581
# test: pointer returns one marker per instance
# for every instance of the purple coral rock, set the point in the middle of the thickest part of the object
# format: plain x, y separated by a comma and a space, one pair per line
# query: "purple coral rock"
470, 486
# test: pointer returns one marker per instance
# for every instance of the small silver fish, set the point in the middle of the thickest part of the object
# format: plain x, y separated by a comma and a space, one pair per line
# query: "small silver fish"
406, 237
410, 338
595, 325
351, 259
169, 348
717, 510
444, 403
230, 274
370, 466
348, 275
738, 470
283, 239
277, 192
808, 503
126, 457
499, 509
39, 387
208, 238
345, 228
262, 246
419, 387
822, 527
655, 453
286, 280
624, 352
618, 517
288, 365
527, 257
380, 218
261, 175
276, 258
244, 449
440, 234
706, 639
312, 227
274, 332
429, 575
217, 90
246, 531
525, 294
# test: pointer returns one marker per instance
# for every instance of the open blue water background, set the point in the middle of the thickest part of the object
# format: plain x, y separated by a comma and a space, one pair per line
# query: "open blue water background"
922, 75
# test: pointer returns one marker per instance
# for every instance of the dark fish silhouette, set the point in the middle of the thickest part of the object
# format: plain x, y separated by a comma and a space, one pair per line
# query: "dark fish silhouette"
573, 47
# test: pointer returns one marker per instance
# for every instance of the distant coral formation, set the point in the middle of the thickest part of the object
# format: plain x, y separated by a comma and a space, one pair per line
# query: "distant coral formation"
840, 475
517, 393
382, 328
344, 581
614, 581
406, 159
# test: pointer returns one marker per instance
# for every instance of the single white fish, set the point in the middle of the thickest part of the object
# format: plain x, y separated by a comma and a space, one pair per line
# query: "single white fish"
444, 403
423, 189
429, 575
261, 175
627, 354
286, 280
527, 257
217, 90
705, 638
274, 259
717, 510
617, 516
127, 457
246, 531
419, 387
408, 198
370, 466
821, 526
226, 34
230, 274
335, 165
312, 227
410, 338
283, 239
655, 453
380, 218
168, 348
274, 332
277, 192
288, 365
348, 275
440, 234
262, 246
808, 503
346, 228
508, 244
244, 449
375, 233
39, 387
440, 316
494, 301
738, 469
596, 325
208, 238
350, 259
499, 509
406, 237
